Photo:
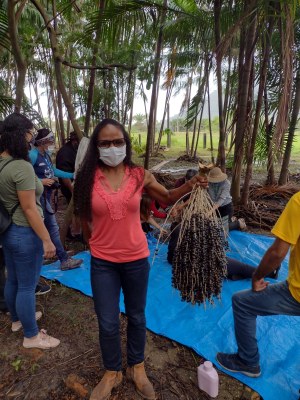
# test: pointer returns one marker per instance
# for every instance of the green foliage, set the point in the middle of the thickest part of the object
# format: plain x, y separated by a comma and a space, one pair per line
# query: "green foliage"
167, 131
136, 146
261, 146
229, 161
4, 37
34, 367
6, 105
17, 364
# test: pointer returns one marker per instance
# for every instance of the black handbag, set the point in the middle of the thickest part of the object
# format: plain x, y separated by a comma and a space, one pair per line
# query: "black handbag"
5, 216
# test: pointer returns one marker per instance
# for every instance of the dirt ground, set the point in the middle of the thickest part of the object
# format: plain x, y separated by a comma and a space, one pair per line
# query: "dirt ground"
70, 371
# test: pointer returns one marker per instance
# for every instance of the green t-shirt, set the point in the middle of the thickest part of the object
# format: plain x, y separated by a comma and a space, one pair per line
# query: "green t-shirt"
18, 175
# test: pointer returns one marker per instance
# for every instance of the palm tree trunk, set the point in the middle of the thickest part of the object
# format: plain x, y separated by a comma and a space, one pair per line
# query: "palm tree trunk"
36, 92
131, 100
19, 58
155, 113
57, 67
259, 103
221, 148
168, 96
269, 127
169, 139
145, 106
130, 90
188, 96
199, 128
89, 104
201, 83
242, 107
283, 177
70, 93
209, 124
153, 103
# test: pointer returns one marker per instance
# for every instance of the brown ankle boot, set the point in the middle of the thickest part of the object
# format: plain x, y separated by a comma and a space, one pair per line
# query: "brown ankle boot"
110, 380
144, 387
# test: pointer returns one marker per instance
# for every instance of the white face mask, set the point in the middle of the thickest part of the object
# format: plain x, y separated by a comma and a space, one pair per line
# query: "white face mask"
51, 149
112, 156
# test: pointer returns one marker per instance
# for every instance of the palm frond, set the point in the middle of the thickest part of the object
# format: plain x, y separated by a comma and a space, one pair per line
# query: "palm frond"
4, 37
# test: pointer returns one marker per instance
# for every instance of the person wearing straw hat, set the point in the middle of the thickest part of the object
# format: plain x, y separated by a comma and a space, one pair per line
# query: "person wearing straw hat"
219, 192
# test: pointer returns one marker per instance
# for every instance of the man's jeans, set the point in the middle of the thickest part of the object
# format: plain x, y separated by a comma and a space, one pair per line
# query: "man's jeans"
53, 229
23, 252
276, 299
107, 279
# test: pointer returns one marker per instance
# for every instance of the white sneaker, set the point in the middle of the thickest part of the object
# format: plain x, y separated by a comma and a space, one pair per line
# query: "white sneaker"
41, 341
16, 326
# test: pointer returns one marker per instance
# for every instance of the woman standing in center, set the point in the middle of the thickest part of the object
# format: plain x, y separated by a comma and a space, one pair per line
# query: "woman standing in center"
107, 196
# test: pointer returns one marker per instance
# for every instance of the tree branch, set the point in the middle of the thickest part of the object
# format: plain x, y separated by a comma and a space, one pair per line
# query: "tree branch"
103, 67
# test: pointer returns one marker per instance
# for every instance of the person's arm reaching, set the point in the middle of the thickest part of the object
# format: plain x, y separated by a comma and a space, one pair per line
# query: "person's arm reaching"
160, 193
152, 222
270, 261
62, 174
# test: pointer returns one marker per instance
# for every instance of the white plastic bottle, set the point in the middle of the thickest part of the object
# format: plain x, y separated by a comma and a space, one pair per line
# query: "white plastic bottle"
208, 379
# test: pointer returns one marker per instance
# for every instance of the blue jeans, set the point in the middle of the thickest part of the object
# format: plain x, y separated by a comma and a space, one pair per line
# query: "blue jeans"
53, 229
276, 299
23, 252
2, 281
107, 279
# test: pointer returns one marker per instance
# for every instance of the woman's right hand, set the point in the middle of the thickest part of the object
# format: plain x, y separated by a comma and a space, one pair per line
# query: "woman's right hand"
49, 249
47, 181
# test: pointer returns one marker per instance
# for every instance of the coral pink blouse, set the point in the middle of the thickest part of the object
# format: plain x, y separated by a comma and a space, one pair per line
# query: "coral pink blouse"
117, 235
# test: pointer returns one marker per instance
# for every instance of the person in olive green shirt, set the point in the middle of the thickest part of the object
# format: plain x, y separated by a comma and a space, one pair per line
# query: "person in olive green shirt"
26, 240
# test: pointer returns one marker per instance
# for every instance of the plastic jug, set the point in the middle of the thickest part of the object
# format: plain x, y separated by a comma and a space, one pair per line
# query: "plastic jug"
208, 379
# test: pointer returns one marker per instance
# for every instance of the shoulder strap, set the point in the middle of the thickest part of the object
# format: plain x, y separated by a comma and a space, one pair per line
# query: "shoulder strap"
6, 164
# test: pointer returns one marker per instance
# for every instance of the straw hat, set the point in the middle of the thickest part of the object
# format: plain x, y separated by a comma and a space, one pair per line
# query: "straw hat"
216, 175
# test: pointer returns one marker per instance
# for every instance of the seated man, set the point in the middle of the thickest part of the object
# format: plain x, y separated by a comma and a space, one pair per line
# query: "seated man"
279, 299
189, 174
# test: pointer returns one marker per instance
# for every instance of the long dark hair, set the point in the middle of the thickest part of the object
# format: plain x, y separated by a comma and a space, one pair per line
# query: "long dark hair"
13, 135
86, 174
145, 207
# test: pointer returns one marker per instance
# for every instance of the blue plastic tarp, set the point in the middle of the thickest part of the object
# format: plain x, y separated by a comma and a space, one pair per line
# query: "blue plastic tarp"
209, 329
